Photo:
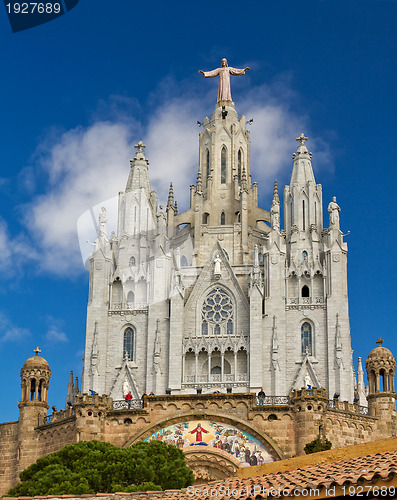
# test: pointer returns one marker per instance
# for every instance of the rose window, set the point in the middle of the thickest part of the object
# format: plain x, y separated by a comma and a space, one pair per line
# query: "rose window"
217, 313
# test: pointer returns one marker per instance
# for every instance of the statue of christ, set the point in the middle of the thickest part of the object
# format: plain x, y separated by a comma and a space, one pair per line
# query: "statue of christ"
224, 72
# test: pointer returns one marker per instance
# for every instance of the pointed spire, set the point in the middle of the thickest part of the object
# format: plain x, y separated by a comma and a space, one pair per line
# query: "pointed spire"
302, 171
139, 175
276, 197
76, 389
69, 396
170, 202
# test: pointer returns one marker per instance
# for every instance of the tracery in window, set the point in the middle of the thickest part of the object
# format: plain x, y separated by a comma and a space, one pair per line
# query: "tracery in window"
217, 313
306, 339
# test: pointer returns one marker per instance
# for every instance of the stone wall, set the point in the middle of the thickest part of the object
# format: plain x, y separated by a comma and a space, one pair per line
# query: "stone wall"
284, 429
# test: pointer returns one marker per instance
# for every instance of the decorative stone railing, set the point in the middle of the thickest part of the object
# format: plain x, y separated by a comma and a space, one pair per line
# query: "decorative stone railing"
335, 404
122, 404
215, 378
296, 301
273, 401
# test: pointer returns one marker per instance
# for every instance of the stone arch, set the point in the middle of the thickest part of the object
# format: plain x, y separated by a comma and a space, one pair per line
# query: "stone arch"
264, 438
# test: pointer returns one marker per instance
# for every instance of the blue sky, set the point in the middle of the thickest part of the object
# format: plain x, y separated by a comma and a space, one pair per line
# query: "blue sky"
79, 92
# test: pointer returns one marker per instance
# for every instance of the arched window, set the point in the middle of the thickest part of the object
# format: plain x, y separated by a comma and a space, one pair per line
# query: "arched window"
223, 219
305, 291
223, 165
217, 313
128, 346
132, 261
260, 258
304, 257
184, 262
237, 217
303, 215
306, 339
208, 166
239, 166
32, 389
205, 218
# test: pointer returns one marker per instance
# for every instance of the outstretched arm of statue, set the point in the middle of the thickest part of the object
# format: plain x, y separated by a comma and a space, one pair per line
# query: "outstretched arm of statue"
209, 74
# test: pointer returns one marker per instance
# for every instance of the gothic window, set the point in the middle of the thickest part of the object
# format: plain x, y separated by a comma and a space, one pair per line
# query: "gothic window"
208, 169
306, 338
303, 215
304, 256
128, 346
223, 219
132, 261
305, 291
184, 262
217, 313
223, 165
239, 167
238, 218
216, 370
205, 218
260, 258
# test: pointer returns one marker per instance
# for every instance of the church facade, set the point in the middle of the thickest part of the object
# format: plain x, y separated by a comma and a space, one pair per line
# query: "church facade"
204, 309
221, 295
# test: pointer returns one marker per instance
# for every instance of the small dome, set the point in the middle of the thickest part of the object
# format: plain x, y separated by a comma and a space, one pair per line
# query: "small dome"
36, 361
380, 352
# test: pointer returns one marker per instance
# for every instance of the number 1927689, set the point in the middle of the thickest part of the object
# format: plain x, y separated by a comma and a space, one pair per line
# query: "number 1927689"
33, 8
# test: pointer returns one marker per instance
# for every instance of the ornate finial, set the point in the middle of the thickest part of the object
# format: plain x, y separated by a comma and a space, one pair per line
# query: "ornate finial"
199, 182
37, 350
275, 192
176, 207
302, 139
140, 146
379, 342
170, 202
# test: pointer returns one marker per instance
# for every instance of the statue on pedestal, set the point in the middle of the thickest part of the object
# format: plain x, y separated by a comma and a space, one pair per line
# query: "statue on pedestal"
224, 72
333, 210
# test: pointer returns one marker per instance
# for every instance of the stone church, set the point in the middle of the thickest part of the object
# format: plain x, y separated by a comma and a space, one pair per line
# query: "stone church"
205, 309
220, 296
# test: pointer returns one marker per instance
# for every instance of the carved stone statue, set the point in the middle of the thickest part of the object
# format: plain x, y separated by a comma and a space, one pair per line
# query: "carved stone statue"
126, 387
333, 210
224, 72
217, 266
103, 219
307, 381
275, 215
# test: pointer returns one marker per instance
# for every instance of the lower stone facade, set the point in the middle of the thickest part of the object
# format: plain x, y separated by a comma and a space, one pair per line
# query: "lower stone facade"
282, 426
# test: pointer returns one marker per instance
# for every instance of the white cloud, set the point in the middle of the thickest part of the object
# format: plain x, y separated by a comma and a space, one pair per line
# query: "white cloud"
54, 332
14, 251
88, 165
11, 332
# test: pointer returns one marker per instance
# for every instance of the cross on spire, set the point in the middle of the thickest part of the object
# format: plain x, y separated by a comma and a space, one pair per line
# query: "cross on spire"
140, 146
37, 350
379, 341
302, 139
